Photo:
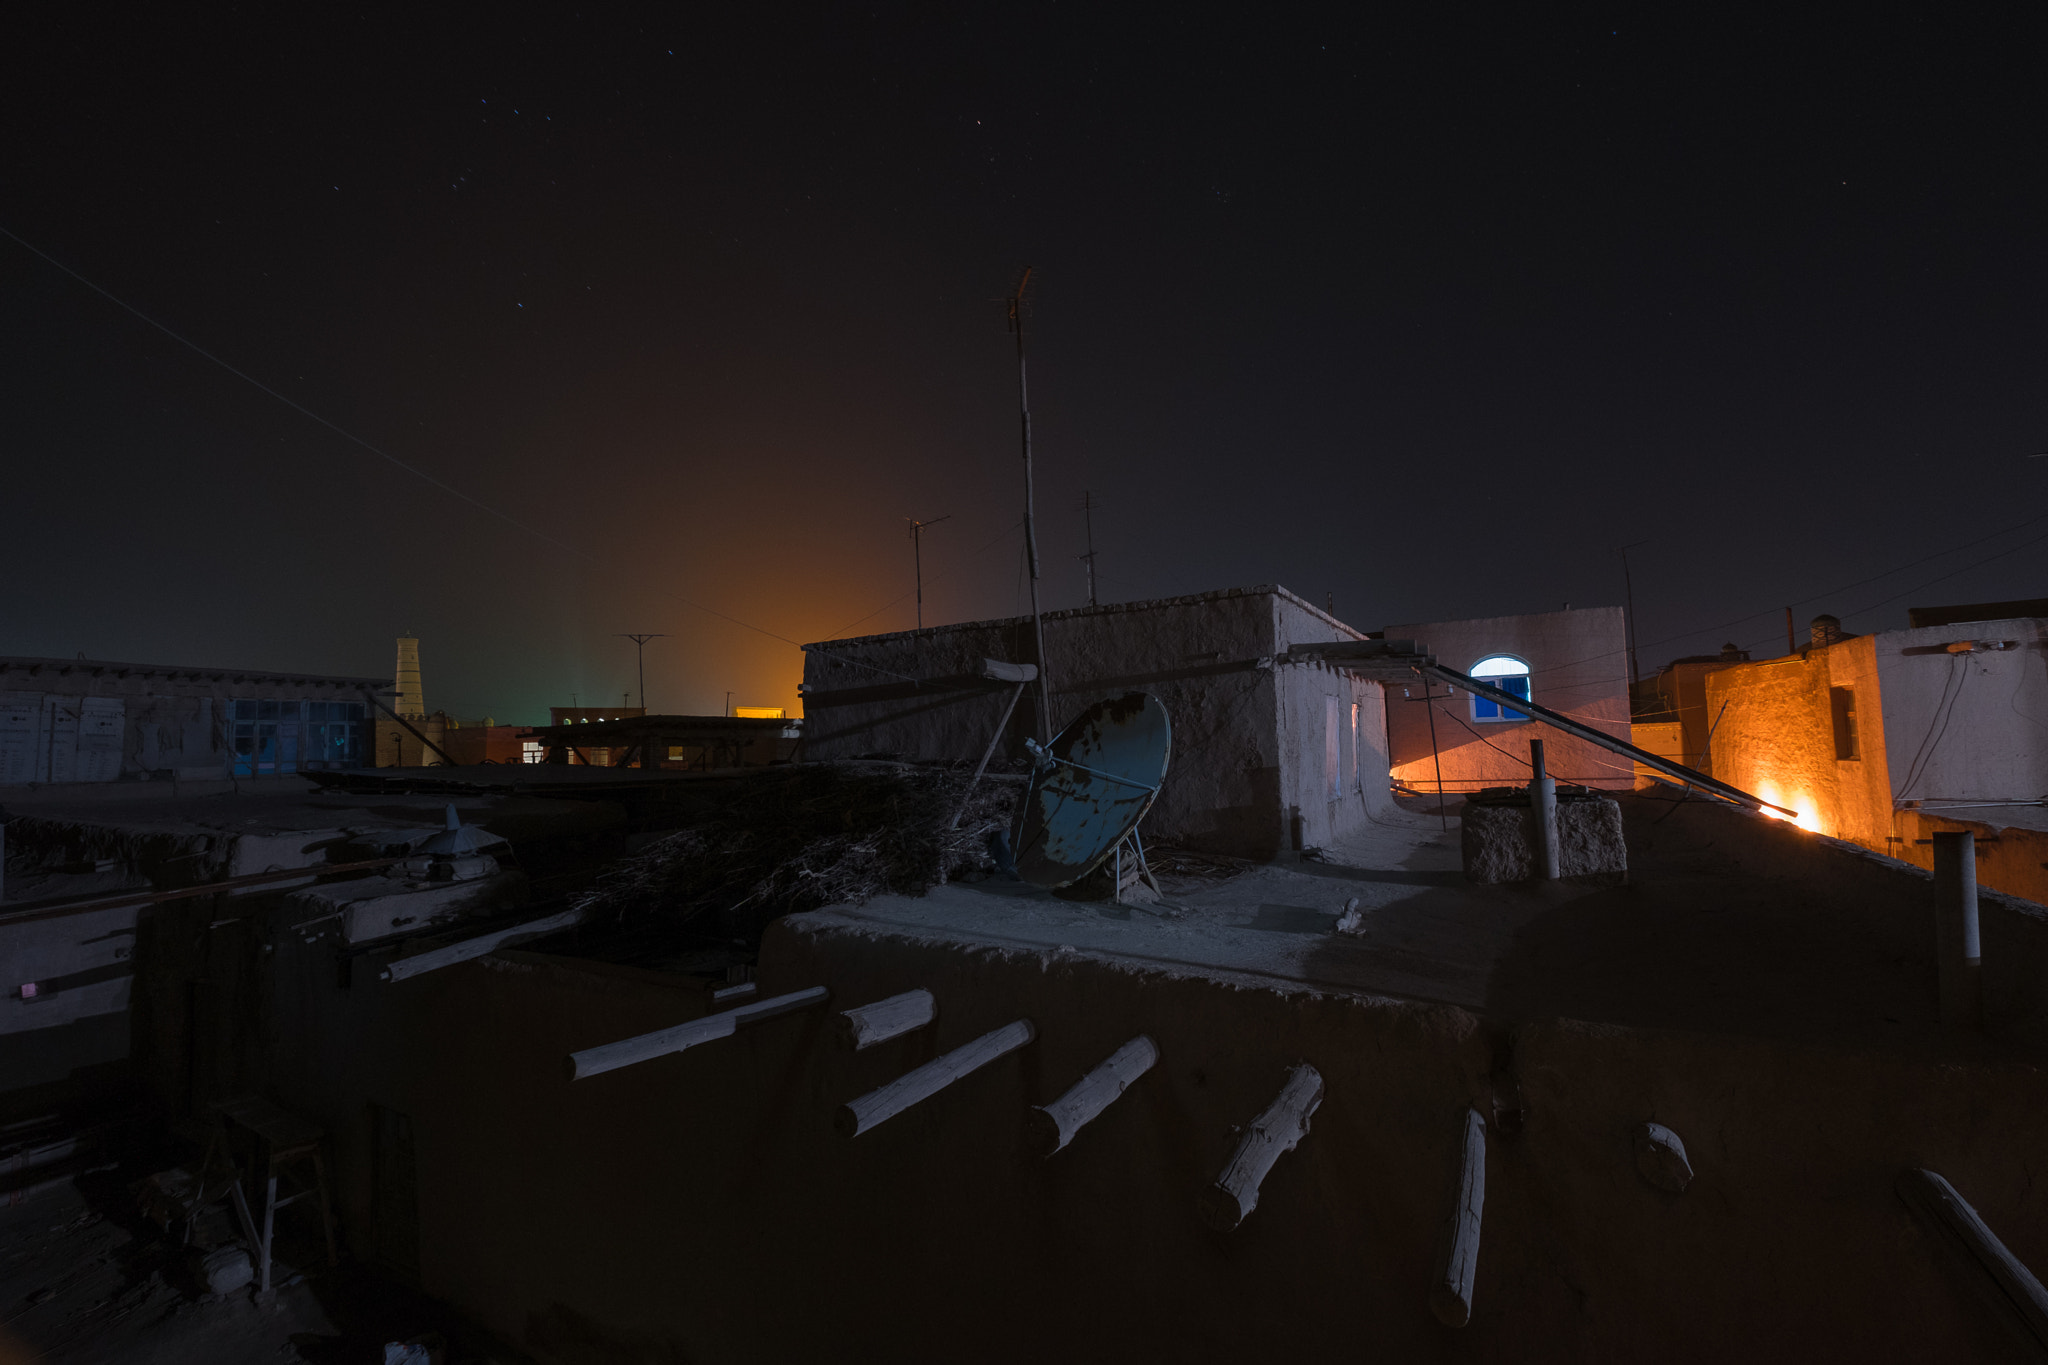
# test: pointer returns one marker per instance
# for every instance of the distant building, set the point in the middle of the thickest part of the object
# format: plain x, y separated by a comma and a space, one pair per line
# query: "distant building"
1274, 745
1883, 739
1574, 661
89, 720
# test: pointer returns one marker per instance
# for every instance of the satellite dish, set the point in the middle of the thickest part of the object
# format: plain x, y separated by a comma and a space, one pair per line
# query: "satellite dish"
1090, 788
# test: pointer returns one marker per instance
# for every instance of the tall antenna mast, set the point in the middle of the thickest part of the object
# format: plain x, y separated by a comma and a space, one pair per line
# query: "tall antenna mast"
1016, 302
917, 557
1088, 516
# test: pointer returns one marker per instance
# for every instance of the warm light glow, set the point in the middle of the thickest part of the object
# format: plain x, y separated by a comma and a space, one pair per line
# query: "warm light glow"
1806, 818
760, 712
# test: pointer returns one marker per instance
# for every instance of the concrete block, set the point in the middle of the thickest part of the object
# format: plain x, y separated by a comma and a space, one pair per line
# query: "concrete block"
1497, 831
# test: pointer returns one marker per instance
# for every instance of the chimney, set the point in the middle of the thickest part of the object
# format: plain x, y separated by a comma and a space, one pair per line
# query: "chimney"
1827, 630
411, 701
1733, 653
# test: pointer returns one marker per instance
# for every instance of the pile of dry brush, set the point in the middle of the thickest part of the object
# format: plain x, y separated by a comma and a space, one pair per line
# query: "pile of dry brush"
805, 836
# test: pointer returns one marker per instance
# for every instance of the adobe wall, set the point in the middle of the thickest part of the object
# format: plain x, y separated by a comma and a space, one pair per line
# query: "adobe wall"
1207, 658
701, 1207
1578, 664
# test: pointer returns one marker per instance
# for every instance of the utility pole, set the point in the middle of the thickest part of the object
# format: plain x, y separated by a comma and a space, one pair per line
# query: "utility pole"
917, 557
1088, 519
1628, 591
1016, 302
640, 648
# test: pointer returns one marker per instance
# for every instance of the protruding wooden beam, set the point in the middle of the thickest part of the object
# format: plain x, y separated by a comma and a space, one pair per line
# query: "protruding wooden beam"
866, 1025
435, 959
1235, 1194
647, 1046
859, 1115
1660, 1156
1053, 1126
2005, 1281
1450, 1294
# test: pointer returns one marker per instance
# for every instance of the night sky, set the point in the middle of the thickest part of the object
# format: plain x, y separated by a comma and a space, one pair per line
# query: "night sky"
1430, 308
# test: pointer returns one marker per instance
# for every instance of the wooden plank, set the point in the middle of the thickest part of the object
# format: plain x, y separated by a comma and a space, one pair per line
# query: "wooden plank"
867, 1025
857, 1116
1450, 1294
1235, 1194
2003, 1279
1053, 1126
437, 958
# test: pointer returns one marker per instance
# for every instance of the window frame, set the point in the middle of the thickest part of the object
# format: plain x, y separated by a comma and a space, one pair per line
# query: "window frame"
1499, 714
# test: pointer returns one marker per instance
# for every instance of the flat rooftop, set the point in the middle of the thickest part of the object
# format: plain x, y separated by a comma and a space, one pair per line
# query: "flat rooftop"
1706, 934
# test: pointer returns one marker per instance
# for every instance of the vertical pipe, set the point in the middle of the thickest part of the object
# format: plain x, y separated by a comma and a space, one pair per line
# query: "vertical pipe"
1791, 640
1958, 952
1543, 815
1429, 703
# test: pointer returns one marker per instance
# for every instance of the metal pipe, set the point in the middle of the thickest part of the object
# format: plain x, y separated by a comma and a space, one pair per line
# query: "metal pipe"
1958, 948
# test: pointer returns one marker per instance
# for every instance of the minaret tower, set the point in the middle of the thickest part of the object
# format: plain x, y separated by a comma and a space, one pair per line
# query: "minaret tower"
412, 702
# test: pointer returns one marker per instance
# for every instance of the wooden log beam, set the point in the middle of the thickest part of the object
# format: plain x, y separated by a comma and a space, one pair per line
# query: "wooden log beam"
437, 958
857, 1116
647, 1046
1660, 1157
1450, 1295
1053, 1126
866, 1025
1235, 1194
2001, 1277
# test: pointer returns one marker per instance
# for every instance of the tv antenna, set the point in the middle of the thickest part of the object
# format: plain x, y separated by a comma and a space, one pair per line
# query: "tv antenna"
1016, 305
640, 648
917, 557
1088, 506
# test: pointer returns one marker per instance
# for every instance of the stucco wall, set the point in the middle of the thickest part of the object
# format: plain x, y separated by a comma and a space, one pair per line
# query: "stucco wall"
1209, 659
1578, 665
1329, 811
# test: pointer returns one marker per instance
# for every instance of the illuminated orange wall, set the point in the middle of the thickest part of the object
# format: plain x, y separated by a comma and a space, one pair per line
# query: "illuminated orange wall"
1776, 739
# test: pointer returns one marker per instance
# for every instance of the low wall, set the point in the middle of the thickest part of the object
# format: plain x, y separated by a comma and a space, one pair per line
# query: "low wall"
701, 1207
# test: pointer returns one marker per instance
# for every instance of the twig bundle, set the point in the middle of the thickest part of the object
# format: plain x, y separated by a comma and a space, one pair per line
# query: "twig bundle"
810, 835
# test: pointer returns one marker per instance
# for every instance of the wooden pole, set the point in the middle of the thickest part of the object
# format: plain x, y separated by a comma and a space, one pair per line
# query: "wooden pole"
1543, 810
1450, 1294
2005, 1280
866, 1025
1235, 1194
647, 1046
986, 755
857, 1116
479, 946
1053, 1126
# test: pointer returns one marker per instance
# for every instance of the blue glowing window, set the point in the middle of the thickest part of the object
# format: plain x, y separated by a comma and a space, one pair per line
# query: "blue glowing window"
1510, 675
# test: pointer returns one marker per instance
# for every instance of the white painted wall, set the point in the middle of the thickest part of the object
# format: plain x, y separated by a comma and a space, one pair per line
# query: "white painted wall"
1966, 727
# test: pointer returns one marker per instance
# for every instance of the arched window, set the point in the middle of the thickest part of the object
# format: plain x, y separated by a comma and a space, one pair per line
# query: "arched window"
1507, 673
